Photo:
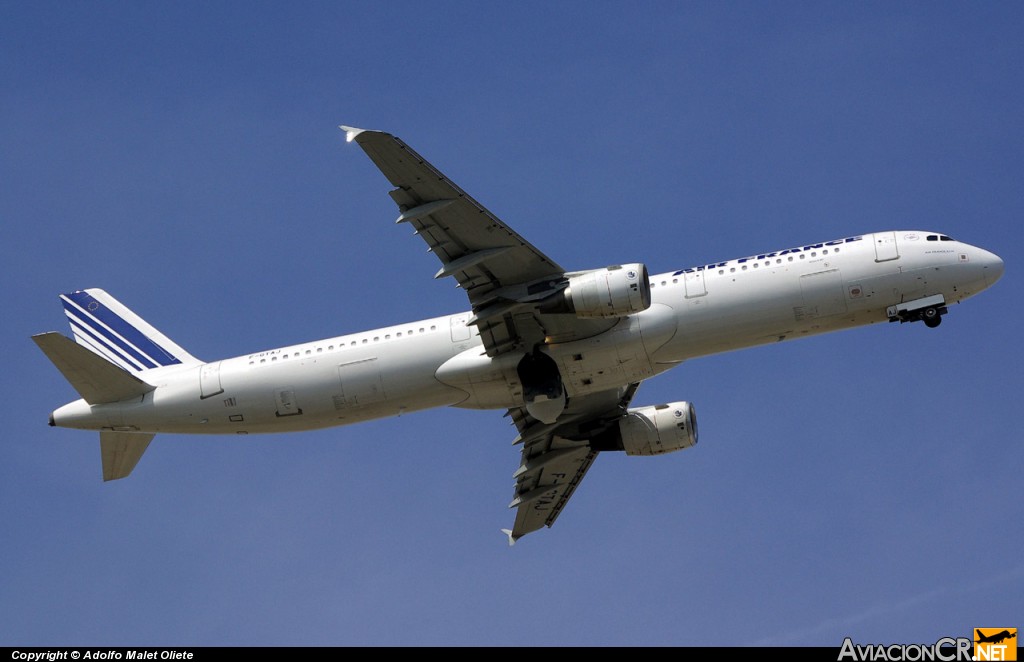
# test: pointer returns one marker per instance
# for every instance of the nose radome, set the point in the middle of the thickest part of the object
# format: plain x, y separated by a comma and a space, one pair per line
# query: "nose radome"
993, 267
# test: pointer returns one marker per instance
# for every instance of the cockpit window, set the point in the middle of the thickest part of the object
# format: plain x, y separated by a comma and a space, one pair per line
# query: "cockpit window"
945, 238
939, 237
932, 237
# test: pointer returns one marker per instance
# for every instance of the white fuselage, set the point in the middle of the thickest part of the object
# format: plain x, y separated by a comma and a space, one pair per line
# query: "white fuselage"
437, 362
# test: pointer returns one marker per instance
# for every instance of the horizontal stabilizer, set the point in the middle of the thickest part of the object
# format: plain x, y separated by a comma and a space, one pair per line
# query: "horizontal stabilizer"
121, 452
96, 379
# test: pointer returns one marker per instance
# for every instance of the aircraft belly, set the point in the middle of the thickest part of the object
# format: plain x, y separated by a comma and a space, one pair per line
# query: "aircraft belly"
619, 356
486, 382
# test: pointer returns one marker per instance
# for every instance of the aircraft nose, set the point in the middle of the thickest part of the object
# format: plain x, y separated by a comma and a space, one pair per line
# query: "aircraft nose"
993, 267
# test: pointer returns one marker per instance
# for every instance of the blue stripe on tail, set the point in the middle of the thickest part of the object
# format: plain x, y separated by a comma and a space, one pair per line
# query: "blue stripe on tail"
135, 344
125, 354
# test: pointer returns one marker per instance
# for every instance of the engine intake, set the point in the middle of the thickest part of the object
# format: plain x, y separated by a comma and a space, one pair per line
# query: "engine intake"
651, 430
614, 291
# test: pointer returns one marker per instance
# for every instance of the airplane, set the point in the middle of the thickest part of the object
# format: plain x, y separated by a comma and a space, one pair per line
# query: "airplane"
996, 638
563, 352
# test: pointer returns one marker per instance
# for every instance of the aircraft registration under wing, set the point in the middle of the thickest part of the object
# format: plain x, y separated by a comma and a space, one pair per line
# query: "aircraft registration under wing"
562, 351
556, 456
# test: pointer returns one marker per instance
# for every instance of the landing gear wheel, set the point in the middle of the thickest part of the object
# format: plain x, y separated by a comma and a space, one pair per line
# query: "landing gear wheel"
931, 317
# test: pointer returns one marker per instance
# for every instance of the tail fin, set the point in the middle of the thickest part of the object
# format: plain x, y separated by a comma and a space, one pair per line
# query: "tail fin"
107, 327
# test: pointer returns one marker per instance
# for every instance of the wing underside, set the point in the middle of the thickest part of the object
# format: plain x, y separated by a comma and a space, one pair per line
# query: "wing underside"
503, 275
556, 457
506, 279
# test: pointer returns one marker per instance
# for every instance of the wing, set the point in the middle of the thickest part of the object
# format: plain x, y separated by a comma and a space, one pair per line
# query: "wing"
506, 279
556, 457
503, 274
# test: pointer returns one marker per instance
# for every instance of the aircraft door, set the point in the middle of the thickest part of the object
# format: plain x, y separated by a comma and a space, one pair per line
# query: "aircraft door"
361, 382
209, 380
694, 283
823, 295
460, 332
885, 247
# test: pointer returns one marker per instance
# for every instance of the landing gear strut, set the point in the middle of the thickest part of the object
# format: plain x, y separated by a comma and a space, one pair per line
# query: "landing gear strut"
929, 310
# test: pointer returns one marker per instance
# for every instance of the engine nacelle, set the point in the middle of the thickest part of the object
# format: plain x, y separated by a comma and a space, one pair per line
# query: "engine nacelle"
659, 429
614, 291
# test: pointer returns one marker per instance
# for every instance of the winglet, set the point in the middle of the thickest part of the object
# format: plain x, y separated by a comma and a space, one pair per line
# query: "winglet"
350, 132
511, 538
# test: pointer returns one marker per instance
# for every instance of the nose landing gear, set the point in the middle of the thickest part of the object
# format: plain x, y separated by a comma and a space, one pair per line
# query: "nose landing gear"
929, 310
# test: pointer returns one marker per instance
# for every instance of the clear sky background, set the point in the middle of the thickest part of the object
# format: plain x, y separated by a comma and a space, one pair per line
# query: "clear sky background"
186, 157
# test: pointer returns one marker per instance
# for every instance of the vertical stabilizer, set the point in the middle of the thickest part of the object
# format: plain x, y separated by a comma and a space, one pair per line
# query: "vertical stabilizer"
107, 327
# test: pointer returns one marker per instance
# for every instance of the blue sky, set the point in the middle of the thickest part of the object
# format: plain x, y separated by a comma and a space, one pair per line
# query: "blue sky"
186, 157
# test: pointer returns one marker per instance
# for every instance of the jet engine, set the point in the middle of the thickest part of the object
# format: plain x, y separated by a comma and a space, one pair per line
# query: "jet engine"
651, 430
614, 291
